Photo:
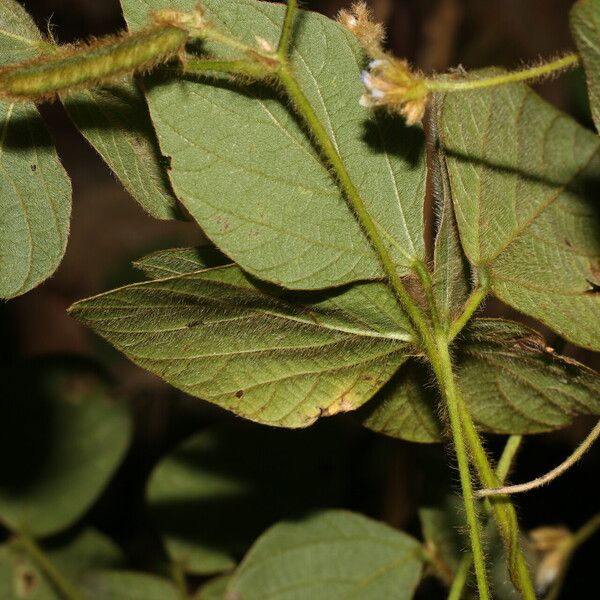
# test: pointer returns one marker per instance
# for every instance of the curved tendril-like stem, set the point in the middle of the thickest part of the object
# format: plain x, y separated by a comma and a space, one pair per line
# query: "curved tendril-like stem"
548, 477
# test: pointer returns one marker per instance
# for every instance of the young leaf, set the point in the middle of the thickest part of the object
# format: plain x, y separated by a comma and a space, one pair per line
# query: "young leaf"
62, 438
210, 506
585, 26
36, 192
329, 556
21, 577
180, 261
248, 173
511, 382
451, 271
115, 121
523, 177
217, 335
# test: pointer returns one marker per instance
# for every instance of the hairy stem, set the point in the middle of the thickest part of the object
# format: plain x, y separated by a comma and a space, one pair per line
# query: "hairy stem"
283, 48
504, 465
473, 303
318, 132
442, 366
551, 475
502, 508
564, 63
62, 585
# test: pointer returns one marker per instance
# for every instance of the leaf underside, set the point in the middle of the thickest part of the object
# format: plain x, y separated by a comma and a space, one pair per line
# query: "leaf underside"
247, 172
524, 180
510, 381
36, 192
218, 335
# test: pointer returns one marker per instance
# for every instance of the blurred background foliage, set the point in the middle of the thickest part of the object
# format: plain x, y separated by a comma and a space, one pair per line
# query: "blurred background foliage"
245, 477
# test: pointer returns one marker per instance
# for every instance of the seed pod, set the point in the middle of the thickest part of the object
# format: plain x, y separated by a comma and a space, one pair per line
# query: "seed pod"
91, 64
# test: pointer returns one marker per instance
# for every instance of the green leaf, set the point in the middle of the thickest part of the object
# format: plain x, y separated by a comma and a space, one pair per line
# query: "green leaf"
34, 187
215, 589
511, 382
61, 438
328, 556
585, 26
219, 336
406, 407
128, 585
523, 178
115, 121
35, 190
247, 172
21, 577
180, 261
210, 506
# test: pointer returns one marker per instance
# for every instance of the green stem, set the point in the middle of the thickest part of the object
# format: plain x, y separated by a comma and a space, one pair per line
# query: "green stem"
283, 48
442, 366
318, 132
245, 68
178, 575
568, 61
65, 588
473, 303
504, 465
425, 278
503, 510
461, 577
580, 537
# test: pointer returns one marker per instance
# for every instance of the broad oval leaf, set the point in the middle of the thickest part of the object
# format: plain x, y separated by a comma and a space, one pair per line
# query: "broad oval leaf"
218, 335
585, 26
330, 555
116, 122
35, 190
248, 173
523, 178
511, 381
210, 506
75, 436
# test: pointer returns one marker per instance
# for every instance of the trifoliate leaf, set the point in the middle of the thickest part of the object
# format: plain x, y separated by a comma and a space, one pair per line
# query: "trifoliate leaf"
249, 174
524, 185
218, 335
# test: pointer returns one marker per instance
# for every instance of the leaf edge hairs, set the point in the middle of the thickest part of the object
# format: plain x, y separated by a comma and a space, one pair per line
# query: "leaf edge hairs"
99, 61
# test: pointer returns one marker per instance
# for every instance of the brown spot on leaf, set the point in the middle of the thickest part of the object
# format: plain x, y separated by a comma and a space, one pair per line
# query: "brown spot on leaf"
26, 580
239, 394
33, 168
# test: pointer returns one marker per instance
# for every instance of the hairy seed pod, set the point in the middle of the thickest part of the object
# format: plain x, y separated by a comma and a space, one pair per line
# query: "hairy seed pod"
91, 64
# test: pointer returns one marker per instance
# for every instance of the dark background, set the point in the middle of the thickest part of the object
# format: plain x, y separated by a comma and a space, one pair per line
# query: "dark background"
377, 476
